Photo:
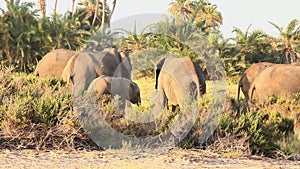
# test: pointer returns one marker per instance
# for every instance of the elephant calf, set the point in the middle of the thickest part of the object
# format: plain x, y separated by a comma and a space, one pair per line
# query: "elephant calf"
125, 88
86, 66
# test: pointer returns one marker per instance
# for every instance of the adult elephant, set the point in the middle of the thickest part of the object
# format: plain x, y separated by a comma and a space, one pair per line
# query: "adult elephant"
86, 66
280, 80
178, 79
53, 63
123, 87
249, 76
194, 67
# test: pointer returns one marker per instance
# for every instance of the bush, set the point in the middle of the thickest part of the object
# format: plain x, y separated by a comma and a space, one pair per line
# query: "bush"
37, 113
26, 99
261, 129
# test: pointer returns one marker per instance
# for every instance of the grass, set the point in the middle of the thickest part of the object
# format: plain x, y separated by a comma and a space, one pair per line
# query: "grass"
38, 113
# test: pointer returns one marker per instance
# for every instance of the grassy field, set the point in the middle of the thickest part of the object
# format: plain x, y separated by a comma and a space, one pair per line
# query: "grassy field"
39, 114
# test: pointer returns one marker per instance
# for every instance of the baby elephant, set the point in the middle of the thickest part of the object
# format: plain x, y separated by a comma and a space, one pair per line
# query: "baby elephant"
125, 88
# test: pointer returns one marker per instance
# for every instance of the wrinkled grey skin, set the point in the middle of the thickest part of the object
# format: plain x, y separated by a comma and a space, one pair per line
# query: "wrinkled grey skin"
53, 63
123, 87
177, 79
249, 76
195, 68
86, 66
279, 80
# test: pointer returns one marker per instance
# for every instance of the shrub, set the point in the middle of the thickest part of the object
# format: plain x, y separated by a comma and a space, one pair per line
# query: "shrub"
37, 113
26, 99
264, 129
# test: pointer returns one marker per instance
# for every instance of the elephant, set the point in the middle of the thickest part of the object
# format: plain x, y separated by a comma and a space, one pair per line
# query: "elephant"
177, 79
53, 63
202, 75
280, 80
248, 77
86, 66
125, 88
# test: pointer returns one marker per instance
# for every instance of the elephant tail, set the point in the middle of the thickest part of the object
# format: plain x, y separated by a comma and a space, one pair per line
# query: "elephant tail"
239, 91
36, 73
68, 71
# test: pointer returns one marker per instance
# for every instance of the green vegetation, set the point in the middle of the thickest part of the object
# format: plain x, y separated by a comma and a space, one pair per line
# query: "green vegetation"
38, 113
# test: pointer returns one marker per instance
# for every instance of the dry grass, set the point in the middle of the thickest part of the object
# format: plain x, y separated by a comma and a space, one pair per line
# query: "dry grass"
30, 126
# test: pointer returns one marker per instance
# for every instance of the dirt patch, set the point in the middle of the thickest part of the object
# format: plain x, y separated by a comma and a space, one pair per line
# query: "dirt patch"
177, 158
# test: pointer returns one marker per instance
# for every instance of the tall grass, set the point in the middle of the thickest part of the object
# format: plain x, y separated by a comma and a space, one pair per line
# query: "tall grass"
38, 113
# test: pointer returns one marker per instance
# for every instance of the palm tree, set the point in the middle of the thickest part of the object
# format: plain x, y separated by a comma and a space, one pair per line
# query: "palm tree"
181, 9
251, 46
96, 13
43, 7
103, 15
134, 41
92, 9
55, 5
86, 4
73, 3
201, 13
289, 41
209, 17
113, 9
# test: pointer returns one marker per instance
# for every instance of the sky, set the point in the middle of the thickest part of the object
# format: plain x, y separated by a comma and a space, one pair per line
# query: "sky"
236, 13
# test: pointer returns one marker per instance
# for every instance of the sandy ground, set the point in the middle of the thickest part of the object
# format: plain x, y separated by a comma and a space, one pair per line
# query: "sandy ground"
134, 159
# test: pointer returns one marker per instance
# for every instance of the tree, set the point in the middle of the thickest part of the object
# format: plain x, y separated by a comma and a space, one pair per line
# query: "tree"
43, 7
103, 15
252, 46
181, 8
113, 9
200, 13
246, 48
208, 17
73, 4
96, 13
289, 41
20, 40
134, 41
55, 6
92, 11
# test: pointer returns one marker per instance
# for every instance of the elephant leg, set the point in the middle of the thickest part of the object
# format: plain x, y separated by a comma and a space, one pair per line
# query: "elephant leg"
160, 104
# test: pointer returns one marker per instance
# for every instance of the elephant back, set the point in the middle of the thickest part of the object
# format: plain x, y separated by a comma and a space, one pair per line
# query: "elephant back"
280, 79
53, 63
100, 85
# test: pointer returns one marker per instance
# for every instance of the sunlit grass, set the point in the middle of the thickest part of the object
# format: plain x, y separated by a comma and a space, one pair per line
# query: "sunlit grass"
147, 84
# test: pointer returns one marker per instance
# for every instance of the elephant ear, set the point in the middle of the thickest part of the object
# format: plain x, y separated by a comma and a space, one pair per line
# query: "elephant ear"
68, 71
201, 78
126, 60
126, 66
159, 66
114, 52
